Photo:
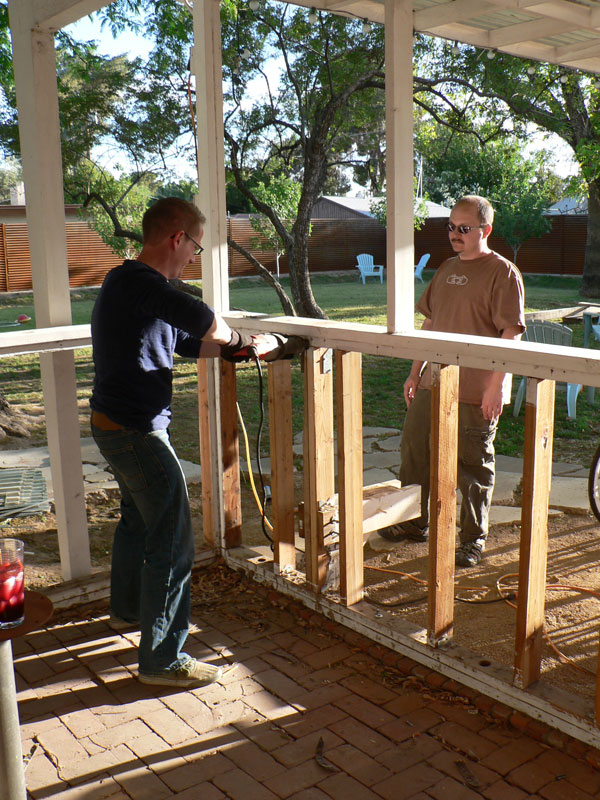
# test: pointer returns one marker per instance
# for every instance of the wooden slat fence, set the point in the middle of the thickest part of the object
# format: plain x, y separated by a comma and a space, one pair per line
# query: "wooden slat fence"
333, 246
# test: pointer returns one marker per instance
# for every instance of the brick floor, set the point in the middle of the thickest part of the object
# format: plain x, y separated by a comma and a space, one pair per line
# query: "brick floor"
312, 712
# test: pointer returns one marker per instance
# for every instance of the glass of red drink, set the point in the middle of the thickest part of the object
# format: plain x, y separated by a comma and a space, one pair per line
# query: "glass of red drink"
12, 583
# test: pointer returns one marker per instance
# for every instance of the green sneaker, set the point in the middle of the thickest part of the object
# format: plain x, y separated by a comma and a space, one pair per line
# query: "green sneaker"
191, 675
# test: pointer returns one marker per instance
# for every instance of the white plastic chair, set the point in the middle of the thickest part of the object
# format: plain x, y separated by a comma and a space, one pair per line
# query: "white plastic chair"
421, 266
547, 332
366, 267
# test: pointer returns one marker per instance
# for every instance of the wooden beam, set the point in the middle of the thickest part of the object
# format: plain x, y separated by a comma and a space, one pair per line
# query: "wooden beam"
350, 474
208, 70
56, 14
537, 475
45, 340
567, 364
442, 503
282, 464
206, 465
34, 61
319, 478
455, 11
575, 13
597, 698
400, 169
462, 32
232, 494
570, 52
535, 29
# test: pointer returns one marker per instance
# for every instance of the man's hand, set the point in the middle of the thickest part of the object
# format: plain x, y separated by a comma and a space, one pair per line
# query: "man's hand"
411, 384
491, 403
234, 350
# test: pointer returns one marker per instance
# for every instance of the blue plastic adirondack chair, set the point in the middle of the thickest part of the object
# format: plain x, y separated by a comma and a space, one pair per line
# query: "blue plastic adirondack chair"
421, 266
547, 332
366, 267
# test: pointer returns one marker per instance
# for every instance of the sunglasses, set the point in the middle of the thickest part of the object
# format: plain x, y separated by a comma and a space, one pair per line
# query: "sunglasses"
462, 229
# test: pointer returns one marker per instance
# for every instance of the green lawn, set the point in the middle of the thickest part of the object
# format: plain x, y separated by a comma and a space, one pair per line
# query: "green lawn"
343, 297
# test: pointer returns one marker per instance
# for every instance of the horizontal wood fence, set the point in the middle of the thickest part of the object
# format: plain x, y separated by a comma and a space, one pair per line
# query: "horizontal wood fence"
334, 245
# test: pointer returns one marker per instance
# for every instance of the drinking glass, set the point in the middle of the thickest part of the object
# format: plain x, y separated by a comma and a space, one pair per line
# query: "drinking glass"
12, 583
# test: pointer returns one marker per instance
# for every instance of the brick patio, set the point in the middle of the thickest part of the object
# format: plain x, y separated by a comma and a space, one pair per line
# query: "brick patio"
313, 711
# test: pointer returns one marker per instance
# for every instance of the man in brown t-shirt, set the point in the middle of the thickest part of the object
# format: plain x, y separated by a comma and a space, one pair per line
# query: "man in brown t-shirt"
477, 292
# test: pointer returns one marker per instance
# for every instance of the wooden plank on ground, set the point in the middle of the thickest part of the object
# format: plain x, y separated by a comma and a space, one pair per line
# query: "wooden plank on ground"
350, 474
282, 463
442, 524
206, 466
319, 478
232, 497
537, 475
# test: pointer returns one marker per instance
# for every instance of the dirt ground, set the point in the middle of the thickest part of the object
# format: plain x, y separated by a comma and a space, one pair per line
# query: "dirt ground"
485, 625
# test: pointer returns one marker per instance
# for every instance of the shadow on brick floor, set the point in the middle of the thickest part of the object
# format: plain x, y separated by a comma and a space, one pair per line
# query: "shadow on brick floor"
312, 711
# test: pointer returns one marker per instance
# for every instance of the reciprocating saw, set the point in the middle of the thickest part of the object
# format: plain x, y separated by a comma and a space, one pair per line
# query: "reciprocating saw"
268, 347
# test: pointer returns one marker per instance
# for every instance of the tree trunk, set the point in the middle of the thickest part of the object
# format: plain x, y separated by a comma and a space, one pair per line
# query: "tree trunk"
285, 301
298, 264
590, 286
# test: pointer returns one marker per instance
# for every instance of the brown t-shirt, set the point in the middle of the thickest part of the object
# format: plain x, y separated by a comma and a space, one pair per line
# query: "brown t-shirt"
480, 297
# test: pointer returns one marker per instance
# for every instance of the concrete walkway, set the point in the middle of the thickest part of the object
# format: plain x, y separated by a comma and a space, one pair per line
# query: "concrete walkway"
312, 711
381, 463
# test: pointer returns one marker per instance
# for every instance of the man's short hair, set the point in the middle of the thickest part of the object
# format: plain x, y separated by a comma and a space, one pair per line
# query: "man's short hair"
482, 207
169, 215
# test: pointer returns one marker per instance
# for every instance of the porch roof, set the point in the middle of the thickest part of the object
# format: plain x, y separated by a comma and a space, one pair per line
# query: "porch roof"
565, 32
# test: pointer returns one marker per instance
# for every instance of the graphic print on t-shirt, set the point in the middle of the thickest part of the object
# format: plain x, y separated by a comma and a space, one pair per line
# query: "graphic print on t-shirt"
457, 280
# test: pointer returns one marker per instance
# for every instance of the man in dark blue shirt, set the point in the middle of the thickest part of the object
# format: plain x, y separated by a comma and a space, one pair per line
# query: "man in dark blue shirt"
139, 322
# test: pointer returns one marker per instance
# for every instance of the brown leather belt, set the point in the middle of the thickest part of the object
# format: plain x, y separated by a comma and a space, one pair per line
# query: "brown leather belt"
104, 423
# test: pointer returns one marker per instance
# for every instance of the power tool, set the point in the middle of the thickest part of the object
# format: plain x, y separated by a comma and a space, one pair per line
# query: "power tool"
270, 347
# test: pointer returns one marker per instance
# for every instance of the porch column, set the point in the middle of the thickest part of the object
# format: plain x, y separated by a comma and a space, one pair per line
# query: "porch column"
400, 259
207, 68
37, 98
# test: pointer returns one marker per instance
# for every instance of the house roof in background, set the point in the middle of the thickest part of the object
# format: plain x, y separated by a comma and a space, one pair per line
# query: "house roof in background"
362, 205
569, 205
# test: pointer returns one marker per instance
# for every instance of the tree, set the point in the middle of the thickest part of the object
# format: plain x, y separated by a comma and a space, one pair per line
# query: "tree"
10, 175
519, 188
302, 125
508, 93
125, 125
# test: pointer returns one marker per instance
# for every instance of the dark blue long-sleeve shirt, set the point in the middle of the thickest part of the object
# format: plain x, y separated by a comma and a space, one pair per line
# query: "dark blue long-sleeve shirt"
139, 321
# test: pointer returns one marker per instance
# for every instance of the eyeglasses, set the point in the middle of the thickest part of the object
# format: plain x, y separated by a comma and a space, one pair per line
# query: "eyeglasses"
198, 249
463, 229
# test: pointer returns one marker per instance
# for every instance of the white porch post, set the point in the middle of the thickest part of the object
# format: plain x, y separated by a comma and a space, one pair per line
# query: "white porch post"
207, 67
35, 80
399, 164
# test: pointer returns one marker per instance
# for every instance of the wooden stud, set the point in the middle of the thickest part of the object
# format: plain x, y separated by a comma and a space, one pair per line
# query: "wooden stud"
350, 474
206, 464
537, 476
319, 477
232, 495
442, 525
282, 463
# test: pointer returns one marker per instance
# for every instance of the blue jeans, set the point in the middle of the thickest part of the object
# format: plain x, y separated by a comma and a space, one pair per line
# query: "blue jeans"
153, 549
